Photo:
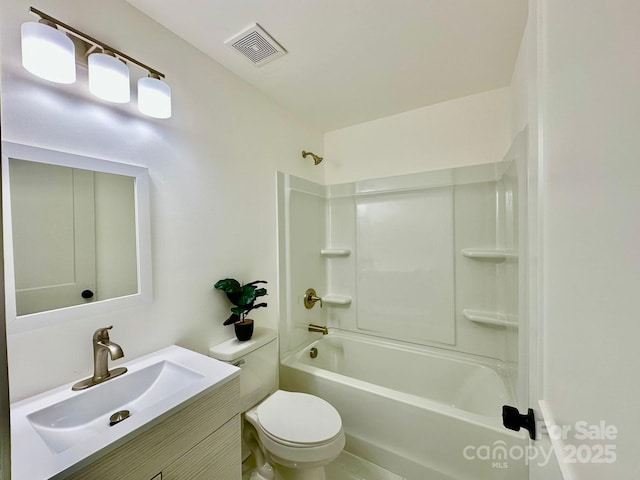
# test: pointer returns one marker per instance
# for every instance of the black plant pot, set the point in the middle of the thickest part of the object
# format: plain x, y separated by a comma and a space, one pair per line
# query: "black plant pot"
244, 330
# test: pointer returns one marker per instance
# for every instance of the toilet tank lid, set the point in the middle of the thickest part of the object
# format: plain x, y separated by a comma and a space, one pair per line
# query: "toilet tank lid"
233, 349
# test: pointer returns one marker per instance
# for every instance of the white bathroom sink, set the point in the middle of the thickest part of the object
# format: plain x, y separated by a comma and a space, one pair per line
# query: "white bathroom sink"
83, 416
58, 431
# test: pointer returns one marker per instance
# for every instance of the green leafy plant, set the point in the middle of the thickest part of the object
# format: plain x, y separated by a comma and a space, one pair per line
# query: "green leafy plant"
242, 296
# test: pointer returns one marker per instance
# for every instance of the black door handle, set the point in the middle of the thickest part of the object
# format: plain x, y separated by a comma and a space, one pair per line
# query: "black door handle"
513, 420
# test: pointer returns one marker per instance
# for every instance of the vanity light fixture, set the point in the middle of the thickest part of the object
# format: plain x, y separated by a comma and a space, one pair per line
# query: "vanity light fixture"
154, 97
47, 52
109, 77
51, 49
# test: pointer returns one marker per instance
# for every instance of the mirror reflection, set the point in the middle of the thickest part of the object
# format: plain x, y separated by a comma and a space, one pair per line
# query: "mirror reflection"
74, 235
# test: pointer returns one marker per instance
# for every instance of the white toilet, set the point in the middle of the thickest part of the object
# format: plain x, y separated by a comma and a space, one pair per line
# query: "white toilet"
292, 435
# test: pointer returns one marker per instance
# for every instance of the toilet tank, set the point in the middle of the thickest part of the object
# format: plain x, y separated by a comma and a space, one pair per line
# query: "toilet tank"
258, 360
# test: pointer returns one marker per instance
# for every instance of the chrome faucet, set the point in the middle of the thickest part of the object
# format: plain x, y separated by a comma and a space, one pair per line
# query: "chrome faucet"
318, 328
103, 348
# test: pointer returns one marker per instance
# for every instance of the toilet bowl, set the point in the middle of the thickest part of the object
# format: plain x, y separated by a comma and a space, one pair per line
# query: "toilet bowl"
298, 430
292, 435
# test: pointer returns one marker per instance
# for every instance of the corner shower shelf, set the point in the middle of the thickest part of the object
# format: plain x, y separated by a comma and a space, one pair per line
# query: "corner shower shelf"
337, 299
335, 252
489, 254
488, 318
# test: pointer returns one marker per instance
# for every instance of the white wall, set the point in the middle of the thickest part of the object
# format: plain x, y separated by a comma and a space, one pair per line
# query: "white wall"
576, 78
302, 224
525, 112
521, 81
466, 131
5, 427
212, 168
591, 113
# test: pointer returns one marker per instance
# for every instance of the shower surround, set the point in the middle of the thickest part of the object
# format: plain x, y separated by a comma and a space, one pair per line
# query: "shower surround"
425, 263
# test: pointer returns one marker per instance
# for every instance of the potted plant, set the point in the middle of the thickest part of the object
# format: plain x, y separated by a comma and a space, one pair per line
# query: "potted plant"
244, 298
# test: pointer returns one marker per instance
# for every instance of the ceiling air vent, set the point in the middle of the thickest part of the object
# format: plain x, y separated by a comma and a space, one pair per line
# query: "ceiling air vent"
256, 45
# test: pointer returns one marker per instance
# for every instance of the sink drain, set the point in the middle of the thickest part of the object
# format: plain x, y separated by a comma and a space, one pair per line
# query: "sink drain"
118, 417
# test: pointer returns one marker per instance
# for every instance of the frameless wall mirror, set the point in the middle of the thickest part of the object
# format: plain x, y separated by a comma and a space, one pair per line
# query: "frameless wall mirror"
76, 235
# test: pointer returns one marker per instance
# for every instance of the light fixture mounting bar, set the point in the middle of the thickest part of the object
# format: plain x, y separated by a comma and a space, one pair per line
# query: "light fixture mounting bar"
94, 41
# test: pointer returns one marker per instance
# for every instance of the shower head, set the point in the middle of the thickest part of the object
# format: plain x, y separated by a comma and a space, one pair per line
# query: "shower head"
316, 158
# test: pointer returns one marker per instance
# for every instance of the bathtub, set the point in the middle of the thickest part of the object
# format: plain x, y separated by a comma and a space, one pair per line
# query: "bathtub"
418, 412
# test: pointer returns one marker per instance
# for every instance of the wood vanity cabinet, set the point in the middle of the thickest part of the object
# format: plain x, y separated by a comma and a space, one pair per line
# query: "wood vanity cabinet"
199, 442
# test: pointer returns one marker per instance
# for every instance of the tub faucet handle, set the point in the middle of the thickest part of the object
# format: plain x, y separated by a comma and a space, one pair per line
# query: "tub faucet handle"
310, 298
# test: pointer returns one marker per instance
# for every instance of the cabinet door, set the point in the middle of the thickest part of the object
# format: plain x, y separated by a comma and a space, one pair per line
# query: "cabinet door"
217, 457
152, 451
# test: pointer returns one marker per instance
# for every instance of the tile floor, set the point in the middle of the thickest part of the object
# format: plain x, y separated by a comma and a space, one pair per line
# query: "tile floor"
345, 467
350, 467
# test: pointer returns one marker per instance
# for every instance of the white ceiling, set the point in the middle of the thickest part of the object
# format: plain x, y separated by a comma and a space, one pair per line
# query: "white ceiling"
351, 61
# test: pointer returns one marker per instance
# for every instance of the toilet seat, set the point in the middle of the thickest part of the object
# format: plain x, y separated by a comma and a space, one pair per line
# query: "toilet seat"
299, 419
319, 432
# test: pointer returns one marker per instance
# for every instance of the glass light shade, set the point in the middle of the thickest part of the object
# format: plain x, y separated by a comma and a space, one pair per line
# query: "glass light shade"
109, 78
154, 97
48, 53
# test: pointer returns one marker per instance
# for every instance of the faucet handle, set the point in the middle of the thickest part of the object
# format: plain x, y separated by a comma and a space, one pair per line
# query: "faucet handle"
310, 298
102, 333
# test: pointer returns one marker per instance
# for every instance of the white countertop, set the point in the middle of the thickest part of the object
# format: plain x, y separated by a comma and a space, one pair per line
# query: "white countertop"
31, 457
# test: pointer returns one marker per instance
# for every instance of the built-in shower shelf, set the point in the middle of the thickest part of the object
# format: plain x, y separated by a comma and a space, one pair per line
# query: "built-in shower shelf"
489, 318
489, 254
335, 252
337, 299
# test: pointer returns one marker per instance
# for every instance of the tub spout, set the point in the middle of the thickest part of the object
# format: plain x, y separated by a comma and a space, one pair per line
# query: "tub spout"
318, 328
